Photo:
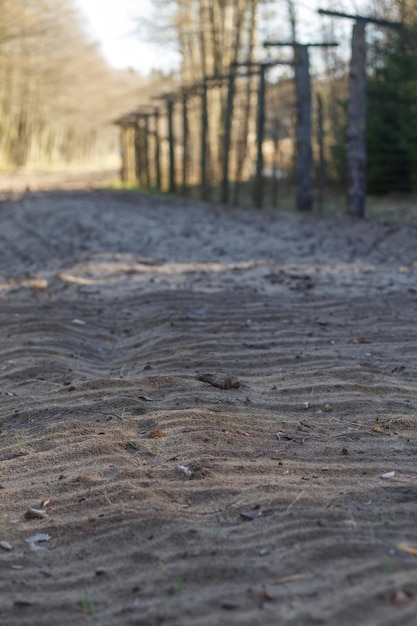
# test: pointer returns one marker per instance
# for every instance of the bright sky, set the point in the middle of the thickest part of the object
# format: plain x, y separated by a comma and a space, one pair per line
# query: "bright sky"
112, 23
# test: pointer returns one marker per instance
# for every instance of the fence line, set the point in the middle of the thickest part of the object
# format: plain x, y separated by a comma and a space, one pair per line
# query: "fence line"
228, 139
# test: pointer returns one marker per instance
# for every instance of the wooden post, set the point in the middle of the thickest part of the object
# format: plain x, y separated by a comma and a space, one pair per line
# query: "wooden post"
304, 161
356, 130
275, 166
204, 131
184, 142
304, 154
138, 153
157, 155
259, 68
227, 137
258, 191
145, 131
171, 140
321, 169
124, 149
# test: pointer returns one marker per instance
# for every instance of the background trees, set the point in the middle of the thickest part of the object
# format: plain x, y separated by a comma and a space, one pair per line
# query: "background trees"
212, 34
57, 95
392, 99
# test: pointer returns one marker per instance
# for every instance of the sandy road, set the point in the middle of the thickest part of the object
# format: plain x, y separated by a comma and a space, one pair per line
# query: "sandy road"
173, 501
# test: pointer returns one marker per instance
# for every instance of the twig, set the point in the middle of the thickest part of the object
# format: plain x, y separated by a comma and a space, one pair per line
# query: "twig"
289, 507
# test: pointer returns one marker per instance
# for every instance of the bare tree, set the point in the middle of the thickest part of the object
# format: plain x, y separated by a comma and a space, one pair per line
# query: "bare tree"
57, 95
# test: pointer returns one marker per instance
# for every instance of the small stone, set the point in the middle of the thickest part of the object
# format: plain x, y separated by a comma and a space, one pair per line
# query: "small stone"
100, 571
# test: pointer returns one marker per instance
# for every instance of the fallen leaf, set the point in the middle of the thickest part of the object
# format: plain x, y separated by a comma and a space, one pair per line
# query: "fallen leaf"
145, 398
267, 596
401, 598
404, 547
327, 408
35, 513
241, 432
156, 434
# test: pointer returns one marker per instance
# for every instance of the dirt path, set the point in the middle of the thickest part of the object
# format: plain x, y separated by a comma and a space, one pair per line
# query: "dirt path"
280, 499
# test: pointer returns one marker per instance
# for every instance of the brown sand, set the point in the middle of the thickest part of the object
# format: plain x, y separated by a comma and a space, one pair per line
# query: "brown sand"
253, 496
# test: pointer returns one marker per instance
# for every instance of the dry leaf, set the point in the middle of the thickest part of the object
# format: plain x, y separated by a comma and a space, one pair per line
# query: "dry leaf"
35, 513
401, 598
404, 547
327, 408
156, 434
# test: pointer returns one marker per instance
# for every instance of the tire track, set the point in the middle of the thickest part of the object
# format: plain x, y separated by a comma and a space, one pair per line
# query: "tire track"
283, 475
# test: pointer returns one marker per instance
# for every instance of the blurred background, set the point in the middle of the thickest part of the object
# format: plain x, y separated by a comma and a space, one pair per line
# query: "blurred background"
144, 86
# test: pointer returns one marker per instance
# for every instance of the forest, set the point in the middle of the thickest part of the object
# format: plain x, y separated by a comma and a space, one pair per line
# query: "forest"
58, 96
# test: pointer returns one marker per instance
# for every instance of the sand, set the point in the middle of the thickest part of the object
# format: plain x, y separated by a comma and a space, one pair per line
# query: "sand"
208, 414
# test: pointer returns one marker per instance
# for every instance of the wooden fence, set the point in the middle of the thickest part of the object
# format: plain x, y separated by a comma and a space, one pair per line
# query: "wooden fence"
233, 138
